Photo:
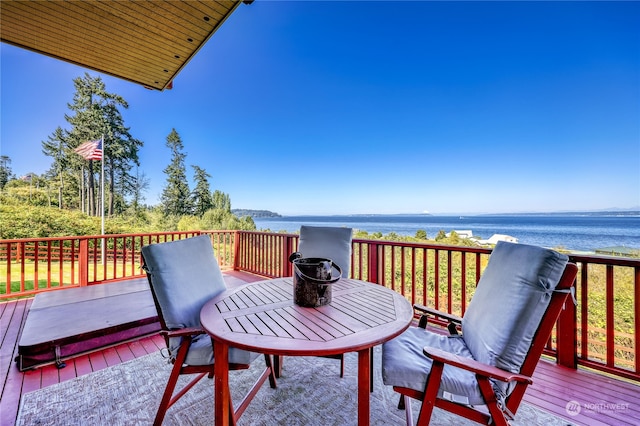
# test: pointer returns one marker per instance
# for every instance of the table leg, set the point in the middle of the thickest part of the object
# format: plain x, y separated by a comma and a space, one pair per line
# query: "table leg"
364, 367
371, 369
277, 365
221, 384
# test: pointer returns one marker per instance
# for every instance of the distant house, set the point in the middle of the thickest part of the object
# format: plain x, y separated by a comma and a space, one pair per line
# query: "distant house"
499, 237
467, 233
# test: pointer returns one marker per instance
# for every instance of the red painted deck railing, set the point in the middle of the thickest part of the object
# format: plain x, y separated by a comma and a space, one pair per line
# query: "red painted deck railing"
34, 265
602, 332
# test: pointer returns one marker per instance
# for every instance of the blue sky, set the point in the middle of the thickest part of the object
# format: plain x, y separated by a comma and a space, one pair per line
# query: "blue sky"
381, 107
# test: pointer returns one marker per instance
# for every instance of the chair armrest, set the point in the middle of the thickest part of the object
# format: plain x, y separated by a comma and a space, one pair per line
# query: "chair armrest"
474, 366
451, 318
181, 332
436, 313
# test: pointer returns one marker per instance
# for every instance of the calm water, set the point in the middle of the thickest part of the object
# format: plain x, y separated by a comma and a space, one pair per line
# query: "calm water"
574, 232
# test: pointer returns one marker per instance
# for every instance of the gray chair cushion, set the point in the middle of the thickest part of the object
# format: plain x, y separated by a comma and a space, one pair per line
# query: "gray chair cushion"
405, 365
201, 352
498, 326
328, 242
185, 275
510, 300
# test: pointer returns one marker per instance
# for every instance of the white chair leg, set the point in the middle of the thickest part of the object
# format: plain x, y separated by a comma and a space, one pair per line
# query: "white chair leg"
407, 409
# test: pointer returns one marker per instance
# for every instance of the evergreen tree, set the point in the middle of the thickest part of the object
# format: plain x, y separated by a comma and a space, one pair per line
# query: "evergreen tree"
121, 154
55, 147
87, 123
421, 234
140, 185
94, 114
221, 201
5, 170
202, 200
175, 198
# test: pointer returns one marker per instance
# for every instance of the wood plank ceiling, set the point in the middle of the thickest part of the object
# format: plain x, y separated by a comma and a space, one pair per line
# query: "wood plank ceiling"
144, 41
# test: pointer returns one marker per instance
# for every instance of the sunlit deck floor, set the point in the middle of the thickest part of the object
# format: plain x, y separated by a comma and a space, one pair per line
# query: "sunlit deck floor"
603, 400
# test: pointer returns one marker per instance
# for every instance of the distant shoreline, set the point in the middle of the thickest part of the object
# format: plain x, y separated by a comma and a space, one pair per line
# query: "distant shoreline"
614, 213
608, 212
630, 213
571, 231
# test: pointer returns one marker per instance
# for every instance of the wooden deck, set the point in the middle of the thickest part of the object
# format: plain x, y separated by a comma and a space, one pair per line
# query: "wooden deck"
603, 400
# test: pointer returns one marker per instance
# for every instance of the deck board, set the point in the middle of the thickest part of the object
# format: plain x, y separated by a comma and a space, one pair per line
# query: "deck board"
49, 376
69, 372
83, 365
12, 320
137, 349
553, 385
124, 352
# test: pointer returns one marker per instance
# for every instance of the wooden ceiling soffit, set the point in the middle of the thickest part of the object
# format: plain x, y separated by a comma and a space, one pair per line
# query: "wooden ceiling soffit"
144, 41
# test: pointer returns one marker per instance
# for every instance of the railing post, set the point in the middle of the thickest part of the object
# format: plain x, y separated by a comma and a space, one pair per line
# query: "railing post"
236, 250
19, 251
566, 335
636, 304
372, 263
287, 249
83, 263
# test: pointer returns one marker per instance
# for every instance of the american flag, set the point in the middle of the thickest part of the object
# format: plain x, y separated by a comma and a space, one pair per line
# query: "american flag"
91, 150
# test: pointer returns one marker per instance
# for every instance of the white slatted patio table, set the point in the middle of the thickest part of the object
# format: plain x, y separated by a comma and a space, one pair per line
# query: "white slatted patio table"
262, 317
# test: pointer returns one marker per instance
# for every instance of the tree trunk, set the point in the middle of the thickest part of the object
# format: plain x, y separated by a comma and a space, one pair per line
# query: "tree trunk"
60, 191
111, 190
93, 210
81, 188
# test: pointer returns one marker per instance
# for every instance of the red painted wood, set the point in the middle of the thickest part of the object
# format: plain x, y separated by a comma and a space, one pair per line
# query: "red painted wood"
32, 380
364, 400
149, 346
83, 263
10, 401
11, 394
97, 361
552, 386
221, 385
262, 317
268, 259
610, 330
83, 365
68, 372
555, 386
111, 357
49, 375
12, 318
137, 349
159, 342
317, 324
124, 352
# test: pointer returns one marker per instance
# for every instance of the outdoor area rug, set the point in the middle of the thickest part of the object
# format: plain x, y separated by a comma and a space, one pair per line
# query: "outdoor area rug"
310, 392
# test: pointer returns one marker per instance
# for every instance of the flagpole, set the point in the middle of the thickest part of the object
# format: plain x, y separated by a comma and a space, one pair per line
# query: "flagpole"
104, 258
